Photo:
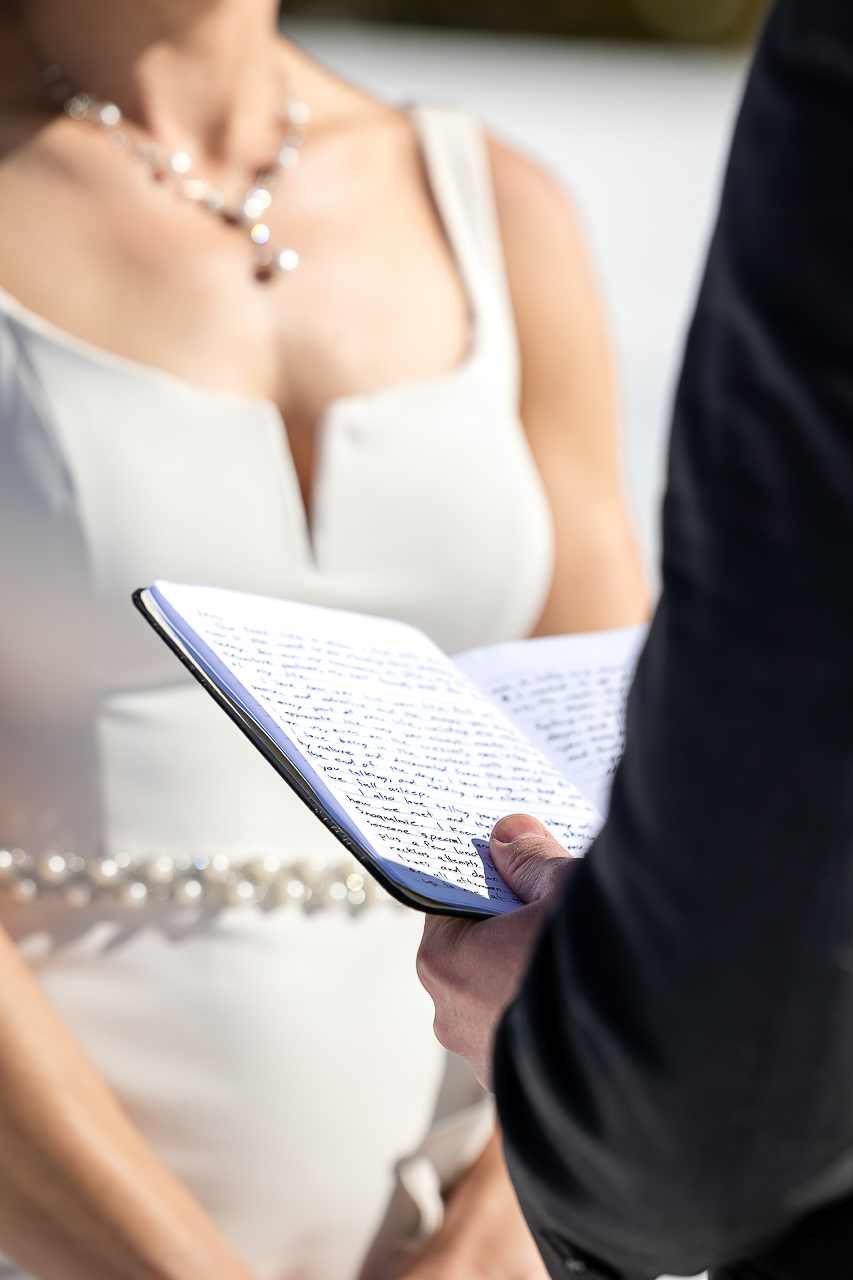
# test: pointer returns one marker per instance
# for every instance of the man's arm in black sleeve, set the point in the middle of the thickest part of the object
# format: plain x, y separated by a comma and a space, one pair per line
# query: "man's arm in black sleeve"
675, 1081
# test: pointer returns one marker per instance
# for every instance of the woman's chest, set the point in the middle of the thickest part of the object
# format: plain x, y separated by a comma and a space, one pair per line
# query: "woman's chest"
105, 253
426, 502
428, 505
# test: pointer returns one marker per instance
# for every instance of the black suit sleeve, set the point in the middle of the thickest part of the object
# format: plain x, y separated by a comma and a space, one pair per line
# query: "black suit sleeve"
675, 1081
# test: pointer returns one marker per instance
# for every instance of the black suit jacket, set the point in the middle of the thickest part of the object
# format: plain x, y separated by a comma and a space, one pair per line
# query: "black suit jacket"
675, 1081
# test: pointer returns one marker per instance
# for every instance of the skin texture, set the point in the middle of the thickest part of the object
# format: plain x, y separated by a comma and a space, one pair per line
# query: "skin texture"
473, 969
89, 241
568, 403
484, 1233
80, 1193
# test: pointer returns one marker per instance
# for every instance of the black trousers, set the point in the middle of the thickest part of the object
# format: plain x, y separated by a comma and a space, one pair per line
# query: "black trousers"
820, 1247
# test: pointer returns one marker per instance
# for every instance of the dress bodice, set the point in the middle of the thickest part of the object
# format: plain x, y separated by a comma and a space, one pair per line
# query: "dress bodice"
427, 507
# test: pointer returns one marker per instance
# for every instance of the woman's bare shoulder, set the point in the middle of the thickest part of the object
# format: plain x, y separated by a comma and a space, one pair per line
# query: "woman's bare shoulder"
535, 212
551, 280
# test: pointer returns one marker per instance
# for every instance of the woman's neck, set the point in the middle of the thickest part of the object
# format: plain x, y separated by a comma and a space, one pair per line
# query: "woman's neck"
204, 76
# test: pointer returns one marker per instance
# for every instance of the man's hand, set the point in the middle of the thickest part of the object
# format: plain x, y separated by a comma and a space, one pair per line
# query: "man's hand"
473, 969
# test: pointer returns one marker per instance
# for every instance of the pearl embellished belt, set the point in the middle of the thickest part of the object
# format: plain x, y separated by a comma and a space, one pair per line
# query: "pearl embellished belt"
181, 880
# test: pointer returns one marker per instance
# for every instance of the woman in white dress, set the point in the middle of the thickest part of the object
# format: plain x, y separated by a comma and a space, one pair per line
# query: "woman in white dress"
195, 1077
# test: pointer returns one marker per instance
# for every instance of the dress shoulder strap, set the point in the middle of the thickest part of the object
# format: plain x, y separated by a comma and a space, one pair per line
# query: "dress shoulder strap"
457, 163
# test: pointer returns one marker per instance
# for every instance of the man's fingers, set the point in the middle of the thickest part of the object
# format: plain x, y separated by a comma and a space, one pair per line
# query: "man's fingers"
473, 969
442, 970
437, 952
528, 857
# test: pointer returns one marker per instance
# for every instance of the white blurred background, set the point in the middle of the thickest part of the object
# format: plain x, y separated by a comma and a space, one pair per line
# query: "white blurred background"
638, 133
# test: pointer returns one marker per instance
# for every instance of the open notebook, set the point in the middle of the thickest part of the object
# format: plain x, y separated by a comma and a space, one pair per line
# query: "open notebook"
409, 756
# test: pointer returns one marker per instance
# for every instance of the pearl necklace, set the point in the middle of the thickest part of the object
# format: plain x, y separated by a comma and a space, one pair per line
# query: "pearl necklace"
177, 169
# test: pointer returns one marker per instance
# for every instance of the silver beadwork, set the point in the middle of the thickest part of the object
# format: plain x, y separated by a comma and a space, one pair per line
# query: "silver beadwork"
179, 162
205, 880
268, 261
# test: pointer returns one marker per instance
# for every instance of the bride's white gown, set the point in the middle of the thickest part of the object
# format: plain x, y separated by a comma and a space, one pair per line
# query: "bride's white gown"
278, 1061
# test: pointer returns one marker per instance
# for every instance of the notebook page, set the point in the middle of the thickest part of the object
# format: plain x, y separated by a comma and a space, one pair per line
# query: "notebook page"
567, 694
417, 759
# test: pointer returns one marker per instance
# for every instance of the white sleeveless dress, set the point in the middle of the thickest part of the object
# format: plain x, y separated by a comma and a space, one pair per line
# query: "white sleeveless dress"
279, 1062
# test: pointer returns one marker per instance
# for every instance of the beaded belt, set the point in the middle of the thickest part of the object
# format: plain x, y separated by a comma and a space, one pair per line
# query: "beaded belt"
200, 881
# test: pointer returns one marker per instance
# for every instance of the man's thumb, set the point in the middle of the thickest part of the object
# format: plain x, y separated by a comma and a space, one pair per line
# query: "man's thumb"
528, 857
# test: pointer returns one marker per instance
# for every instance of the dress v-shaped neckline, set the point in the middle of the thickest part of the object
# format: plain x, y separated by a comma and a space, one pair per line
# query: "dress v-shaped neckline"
151, 373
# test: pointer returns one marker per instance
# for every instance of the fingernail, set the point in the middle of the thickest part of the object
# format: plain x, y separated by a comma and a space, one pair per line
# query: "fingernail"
516, 825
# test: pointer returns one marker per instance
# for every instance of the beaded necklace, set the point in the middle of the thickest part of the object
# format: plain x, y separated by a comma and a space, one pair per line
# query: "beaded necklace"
177, 168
